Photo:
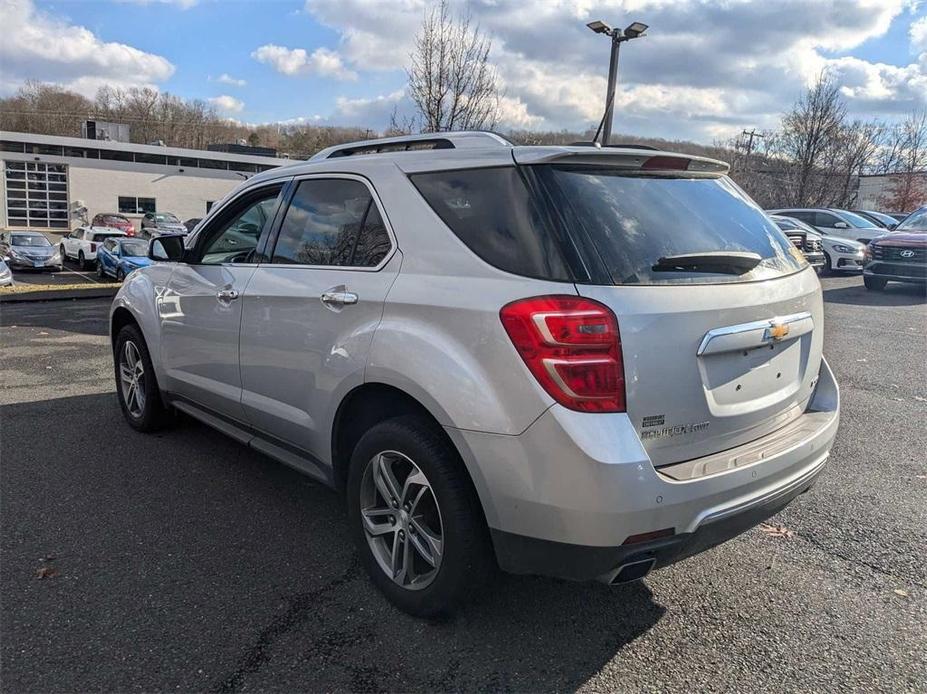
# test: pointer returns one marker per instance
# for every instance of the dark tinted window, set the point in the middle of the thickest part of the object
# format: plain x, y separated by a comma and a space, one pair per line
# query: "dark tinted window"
332, 222
492, 212
633, 221
825, 219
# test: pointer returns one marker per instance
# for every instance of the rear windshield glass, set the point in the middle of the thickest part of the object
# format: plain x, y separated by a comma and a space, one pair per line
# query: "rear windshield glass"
633, 221
492, 212
103, 237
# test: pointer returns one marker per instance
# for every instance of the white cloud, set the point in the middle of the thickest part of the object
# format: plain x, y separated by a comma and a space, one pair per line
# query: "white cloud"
228, 104
38, 46
704, 68
226, 78
294, 62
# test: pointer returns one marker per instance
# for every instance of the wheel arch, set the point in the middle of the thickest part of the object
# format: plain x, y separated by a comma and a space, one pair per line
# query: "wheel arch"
371, 403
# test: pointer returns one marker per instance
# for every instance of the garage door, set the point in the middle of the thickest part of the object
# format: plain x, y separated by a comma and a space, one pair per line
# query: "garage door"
36, 195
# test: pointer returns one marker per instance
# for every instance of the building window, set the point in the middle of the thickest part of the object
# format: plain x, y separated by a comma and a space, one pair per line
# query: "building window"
116, 155
36, 195
131, 205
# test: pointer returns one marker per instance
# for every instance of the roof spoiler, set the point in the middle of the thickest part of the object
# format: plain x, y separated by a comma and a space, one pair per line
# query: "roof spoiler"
631, 158
404, 143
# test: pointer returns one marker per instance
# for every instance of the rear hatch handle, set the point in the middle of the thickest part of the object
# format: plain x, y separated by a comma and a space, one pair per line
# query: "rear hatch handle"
755, 334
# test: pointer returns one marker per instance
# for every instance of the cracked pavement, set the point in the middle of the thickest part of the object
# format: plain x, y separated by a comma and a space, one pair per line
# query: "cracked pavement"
184, 561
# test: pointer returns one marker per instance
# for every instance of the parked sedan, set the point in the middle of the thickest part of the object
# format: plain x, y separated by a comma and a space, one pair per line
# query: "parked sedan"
114, 221
6, 277
805, 239
900, 256
159, 223
835, 222
192, 222
886, 221
117, 257
30, 250
840, 254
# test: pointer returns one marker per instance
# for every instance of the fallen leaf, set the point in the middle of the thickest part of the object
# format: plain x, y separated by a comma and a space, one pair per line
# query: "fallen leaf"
776, 530
902, 593
46, 572
42, 332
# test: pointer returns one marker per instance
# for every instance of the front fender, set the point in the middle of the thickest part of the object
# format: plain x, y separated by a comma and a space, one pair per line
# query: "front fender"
141, 294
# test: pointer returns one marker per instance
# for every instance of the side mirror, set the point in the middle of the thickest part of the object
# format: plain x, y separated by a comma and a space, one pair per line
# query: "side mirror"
168, 248
841, 225
892, 227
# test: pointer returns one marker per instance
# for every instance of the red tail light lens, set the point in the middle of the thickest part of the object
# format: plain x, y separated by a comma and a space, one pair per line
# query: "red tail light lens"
572, 347
93, 248
664, 163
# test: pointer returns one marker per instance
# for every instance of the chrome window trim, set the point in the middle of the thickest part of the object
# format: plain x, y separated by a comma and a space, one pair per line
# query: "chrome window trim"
394, 245
750, 327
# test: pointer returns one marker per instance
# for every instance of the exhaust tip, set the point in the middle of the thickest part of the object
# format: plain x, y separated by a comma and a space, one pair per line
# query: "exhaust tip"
634, 571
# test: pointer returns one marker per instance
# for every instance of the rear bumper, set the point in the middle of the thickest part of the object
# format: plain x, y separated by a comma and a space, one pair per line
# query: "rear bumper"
562, 498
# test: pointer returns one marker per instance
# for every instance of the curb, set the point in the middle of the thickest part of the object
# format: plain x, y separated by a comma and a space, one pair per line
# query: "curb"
91, 292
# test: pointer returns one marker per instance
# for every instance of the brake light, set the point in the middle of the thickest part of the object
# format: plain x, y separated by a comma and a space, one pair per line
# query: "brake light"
572, 347
663, 163
93, 248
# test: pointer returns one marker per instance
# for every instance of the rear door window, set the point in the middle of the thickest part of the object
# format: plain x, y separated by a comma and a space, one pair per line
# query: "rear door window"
332, 222
634, 221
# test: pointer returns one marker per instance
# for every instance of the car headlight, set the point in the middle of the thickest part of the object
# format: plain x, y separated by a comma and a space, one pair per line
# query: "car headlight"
840, 248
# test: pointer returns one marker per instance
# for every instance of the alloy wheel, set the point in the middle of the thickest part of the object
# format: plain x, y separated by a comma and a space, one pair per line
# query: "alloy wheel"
132, 379
401, 520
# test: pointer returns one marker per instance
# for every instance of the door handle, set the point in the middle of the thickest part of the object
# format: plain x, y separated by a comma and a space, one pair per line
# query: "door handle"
226, 295
338, 297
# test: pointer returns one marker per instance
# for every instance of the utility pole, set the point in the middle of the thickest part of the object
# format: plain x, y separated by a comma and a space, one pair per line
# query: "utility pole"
618, 37
750, 135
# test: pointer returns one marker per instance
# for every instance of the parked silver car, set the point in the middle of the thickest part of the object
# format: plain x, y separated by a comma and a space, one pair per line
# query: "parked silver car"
160, 223
831, 221
574, 361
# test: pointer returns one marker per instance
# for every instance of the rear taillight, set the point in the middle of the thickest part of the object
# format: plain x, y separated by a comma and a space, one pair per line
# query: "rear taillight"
93, 248
572, 347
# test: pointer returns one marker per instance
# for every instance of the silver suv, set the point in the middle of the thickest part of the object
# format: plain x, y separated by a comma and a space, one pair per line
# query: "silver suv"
574, 361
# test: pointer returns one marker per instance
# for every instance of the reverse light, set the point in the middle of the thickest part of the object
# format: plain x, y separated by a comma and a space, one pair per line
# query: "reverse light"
572, 347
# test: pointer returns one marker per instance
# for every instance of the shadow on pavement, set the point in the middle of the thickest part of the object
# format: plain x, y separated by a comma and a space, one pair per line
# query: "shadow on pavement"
183, 560
85, 316
894, 294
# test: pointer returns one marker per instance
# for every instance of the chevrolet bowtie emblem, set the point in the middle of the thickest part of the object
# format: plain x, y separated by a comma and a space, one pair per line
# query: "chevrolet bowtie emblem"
776, 331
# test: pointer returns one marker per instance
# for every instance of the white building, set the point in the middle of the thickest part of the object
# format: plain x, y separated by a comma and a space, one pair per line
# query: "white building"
44, 178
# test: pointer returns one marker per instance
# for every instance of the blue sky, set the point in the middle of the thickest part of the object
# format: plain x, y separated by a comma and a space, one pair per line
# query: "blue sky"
706, 69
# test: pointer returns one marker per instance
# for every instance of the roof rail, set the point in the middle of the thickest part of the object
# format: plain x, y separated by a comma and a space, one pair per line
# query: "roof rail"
452, 140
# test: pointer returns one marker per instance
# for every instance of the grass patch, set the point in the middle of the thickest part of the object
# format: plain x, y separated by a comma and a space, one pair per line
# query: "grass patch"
27, 288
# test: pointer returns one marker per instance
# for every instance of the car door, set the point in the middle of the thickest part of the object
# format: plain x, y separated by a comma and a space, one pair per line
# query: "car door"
312, 307
201, 322
72, 242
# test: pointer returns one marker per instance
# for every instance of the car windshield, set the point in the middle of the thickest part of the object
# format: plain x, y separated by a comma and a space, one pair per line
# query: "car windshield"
855, 221
634, 221
29, 240
135, 249
166, 217
916, 221
792, 223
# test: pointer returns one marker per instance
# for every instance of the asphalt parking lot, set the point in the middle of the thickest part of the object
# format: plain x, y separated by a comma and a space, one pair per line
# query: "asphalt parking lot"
184, 561
72, 273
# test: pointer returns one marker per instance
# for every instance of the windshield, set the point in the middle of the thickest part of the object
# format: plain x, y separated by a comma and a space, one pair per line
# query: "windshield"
167, 217
916, 221
36, 240
790, 223
134, 249
855, 221
634, 221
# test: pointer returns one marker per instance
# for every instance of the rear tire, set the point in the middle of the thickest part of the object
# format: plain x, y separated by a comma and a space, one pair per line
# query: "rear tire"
434, 500
136, 383
876, 284
81, 260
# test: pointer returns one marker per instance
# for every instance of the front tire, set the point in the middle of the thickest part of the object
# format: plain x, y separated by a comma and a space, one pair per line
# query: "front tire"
136, 384
415, 517
828, 267
120, 275
876, 284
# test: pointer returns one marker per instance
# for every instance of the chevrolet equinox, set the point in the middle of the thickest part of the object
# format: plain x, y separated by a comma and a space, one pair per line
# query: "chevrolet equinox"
583, 362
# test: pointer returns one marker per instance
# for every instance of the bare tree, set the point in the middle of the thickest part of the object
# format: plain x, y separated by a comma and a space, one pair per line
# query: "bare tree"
905, 158
451, 81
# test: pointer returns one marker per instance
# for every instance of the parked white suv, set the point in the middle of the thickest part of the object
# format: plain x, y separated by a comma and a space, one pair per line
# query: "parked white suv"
82, 243
574, 361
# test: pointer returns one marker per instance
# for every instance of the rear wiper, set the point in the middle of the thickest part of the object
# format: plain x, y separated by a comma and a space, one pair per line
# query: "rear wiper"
727, 262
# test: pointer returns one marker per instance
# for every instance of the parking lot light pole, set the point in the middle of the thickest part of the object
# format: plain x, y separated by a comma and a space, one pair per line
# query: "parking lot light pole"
618, 37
